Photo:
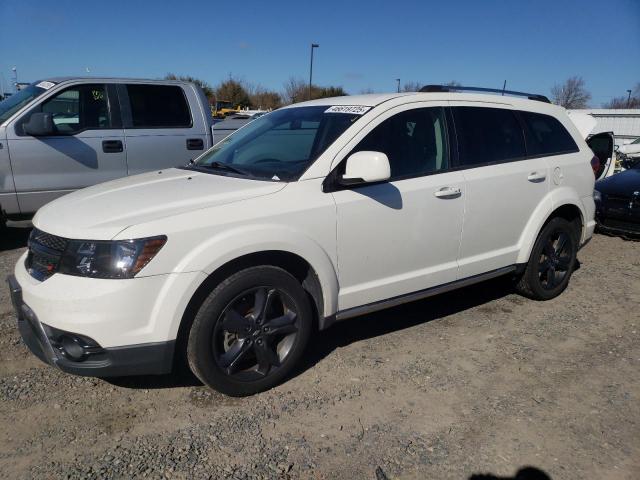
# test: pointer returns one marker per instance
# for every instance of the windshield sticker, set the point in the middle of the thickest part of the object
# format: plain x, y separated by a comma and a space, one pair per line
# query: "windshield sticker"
352, 109
45, 85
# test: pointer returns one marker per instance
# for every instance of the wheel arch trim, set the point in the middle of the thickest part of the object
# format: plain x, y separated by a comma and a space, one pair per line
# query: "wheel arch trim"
551, 205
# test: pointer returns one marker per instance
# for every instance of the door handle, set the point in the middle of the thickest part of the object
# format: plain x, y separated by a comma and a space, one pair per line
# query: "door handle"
537, 177
448, 192
112, 146
195, 144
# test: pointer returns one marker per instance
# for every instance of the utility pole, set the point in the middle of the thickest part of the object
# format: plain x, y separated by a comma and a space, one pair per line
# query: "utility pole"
398, 80
628, 98
313, 45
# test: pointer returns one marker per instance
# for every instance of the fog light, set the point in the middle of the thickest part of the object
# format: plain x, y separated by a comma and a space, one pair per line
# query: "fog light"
71, 348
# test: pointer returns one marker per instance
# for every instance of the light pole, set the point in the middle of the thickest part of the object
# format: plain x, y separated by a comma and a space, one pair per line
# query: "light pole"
313, 45
628, 98
398, 80
15, 79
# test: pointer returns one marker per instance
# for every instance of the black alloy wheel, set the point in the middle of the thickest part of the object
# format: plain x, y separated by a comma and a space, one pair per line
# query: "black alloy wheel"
255, 333
250, 331
552, 261
555, 260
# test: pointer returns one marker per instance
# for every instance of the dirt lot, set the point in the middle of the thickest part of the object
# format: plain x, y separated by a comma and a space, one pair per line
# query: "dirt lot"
476, 382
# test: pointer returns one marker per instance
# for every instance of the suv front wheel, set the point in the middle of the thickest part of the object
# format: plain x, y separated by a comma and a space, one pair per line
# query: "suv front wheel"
552, 261
250, 331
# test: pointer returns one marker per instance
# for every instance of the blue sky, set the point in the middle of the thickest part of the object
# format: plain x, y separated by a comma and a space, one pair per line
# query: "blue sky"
363, 44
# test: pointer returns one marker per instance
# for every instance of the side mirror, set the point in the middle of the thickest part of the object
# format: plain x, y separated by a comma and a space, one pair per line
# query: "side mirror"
366, 167
40, 125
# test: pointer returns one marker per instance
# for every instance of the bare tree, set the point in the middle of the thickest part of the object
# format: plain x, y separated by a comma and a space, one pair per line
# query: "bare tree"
265, 99
411, 87
630, 101
233, 90
571, 94
297, 90
294, 90
206, 88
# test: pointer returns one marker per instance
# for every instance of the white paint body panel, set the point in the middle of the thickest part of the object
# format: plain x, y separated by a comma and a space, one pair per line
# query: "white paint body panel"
365, 244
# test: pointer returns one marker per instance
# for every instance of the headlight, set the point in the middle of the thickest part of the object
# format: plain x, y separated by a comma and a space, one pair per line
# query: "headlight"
109, 259
597, 196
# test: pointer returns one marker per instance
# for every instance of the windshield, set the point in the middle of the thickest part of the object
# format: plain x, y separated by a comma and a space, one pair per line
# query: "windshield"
15, 102
279, 145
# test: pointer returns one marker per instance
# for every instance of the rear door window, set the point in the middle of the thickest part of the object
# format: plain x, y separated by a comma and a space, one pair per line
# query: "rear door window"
158, 106
546, 135
488, 135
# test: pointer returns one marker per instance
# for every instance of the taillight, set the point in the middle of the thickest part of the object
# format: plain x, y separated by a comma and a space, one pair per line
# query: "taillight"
595, 165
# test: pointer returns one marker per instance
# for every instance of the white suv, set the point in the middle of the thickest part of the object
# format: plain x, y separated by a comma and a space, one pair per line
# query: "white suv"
309, 215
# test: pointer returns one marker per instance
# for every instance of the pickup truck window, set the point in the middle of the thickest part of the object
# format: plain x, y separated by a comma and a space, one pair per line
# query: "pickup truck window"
158, 106
12, 104
78, 108
279, 145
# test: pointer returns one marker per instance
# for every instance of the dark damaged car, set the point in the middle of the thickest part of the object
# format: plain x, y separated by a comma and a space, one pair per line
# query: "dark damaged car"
617, 201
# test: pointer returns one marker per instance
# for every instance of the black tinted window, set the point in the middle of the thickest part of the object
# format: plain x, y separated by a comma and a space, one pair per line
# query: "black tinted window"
546, 135
83, 107
488, 135
415, 142
158, 106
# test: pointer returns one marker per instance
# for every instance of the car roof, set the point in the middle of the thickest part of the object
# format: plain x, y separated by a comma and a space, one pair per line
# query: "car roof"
108, 79
373, 100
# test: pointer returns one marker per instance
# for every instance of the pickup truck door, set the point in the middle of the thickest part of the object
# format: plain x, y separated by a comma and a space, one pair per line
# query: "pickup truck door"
8, 199
86, 148
165, 125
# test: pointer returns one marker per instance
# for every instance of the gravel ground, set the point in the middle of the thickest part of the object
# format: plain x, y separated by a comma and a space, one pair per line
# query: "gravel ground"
475, 384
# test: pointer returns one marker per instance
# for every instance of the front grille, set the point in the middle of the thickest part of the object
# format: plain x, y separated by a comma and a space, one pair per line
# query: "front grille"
45, 252
46, 239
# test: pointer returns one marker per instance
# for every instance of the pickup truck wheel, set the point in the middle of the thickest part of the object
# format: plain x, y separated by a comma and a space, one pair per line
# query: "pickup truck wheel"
551, 263
250, 331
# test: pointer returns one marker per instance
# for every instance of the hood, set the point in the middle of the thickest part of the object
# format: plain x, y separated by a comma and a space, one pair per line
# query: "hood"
102, 211
584, 122
623, 183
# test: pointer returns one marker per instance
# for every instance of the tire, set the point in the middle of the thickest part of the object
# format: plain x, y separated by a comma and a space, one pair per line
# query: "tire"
552, 261
250, 331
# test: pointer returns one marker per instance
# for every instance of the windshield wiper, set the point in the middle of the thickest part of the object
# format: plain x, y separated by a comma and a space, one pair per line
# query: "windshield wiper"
223, 166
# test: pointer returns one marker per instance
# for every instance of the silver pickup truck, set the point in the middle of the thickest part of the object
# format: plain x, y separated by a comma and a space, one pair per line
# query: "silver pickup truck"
61, 134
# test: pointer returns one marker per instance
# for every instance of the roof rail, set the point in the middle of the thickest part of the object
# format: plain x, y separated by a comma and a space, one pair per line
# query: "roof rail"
455, 88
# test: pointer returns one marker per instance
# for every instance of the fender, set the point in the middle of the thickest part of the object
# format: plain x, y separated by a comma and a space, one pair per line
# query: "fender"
554, 199
235, 243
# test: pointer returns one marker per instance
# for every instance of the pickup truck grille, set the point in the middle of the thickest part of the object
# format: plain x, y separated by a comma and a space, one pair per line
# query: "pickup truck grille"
45, 252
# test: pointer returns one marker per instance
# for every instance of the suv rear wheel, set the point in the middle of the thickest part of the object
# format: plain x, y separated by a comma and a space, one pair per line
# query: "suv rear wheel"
250, 331
552, 261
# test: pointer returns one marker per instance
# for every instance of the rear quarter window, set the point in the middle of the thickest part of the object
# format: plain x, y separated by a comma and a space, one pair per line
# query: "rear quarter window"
158, 106
488, 135
545, 135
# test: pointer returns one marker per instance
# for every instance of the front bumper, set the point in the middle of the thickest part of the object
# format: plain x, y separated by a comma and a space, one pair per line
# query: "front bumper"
616, 226
144, 359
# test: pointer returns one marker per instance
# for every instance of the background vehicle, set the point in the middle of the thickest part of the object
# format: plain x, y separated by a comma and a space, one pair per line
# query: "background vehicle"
618, 203
632, 149
224, 108
312, 214
62, 134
